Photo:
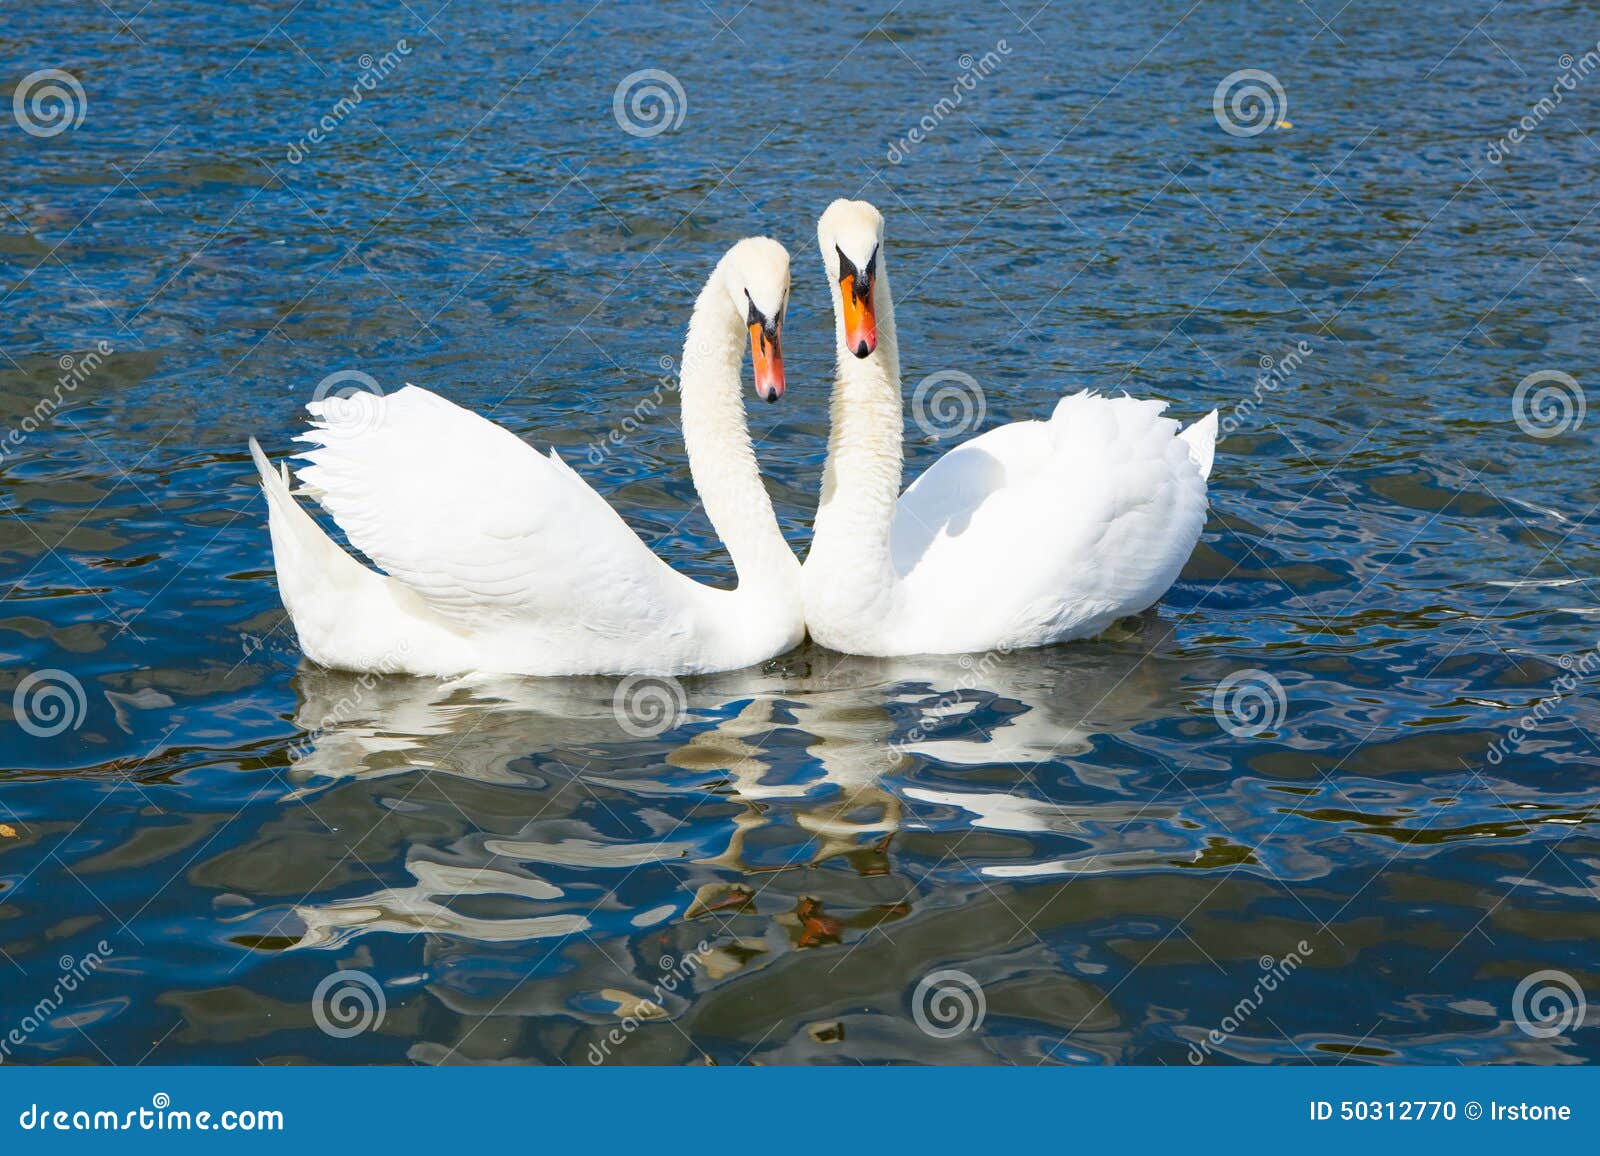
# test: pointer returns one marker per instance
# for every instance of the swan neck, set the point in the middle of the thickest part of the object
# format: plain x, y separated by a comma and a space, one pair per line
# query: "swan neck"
861, 480
716, 435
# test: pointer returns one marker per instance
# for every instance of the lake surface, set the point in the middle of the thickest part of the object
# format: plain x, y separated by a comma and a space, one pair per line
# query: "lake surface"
1333, 800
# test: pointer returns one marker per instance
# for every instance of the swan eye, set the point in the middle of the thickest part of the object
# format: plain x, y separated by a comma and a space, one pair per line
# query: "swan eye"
847, 267
754, 317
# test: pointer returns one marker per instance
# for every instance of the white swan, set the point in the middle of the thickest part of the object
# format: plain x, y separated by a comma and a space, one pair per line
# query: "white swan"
1033, 533
501, 560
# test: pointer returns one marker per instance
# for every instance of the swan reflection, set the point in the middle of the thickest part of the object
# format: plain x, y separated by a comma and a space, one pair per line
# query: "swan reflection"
805, 766
408, 910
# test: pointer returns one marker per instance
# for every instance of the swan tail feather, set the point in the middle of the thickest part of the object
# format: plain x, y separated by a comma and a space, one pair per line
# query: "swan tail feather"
1201, 437
306, 559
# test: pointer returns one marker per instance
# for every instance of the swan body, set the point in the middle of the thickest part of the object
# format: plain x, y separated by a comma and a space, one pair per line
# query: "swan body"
1032, 533
499, 559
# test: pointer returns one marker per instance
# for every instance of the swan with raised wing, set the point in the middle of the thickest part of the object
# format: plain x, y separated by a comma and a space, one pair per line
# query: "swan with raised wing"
1032, 533
500, 559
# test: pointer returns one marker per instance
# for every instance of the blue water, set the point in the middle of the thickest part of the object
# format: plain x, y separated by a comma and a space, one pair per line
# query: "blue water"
1395, 571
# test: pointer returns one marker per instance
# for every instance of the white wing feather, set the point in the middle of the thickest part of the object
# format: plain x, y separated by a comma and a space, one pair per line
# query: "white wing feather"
480, 525
1042, 531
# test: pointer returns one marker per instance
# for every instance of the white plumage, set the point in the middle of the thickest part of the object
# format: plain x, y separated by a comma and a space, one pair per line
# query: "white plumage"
516, 539
1042, 530
1032, 533
497, 558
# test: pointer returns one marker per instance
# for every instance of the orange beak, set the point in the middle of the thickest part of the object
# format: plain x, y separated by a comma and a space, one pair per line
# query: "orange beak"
766, 356
855, 292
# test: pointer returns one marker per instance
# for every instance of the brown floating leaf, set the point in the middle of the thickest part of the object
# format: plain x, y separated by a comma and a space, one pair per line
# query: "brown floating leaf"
720, 897
630, 1006
826, 1033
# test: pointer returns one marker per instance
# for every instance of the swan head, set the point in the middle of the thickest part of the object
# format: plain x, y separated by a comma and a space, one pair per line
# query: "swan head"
850, 234
755, 274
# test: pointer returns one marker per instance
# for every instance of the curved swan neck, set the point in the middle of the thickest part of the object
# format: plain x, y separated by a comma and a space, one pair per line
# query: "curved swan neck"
861, 481
722, 462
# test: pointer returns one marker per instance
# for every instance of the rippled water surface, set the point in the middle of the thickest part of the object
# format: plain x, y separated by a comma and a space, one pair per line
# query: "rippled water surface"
1350, 753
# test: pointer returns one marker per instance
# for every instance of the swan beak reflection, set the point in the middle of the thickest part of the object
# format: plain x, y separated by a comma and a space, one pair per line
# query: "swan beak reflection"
766, 356
855, 291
